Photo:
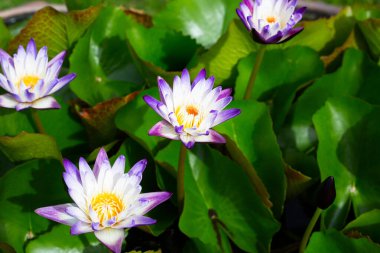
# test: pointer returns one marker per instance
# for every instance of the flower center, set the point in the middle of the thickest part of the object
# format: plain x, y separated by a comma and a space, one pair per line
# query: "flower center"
106, 205
188, 116
30, 81
271, 19
190, 109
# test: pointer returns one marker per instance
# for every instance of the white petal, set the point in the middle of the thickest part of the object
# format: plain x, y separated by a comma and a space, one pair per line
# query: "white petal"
112, 238
8, 101
46, 103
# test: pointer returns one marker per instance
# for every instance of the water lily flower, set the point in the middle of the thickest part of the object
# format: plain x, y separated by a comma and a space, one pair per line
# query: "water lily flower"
271, 21
30, 79
191, 109
107, 200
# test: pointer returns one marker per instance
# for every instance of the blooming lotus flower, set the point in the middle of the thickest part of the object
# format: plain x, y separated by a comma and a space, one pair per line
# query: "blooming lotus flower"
191, 109
271, 21
106, 200
30, 79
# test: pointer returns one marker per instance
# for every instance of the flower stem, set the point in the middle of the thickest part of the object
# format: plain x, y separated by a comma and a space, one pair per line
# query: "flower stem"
255, 70
37, 121
181, 177
309, 229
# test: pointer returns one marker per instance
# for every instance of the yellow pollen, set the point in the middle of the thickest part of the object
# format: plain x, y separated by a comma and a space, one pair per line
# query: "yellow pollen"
30, 81
189, 116
190, 109
271, 19
106, 205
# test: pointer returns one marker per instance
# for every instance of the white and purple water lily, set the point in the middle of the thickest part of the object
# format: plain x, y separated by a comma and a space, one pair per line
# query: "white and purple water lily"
106, 200
191, 109
271, 21
30, 79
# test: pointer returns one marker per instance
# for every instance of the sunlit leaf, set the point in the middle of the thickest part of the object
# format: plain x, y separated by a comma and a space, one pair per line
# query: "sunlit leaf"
27, 146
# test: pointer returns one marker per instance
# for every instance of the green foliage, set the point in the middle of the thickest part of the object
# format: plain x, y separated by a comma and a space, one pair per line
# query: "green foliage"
333, 241
314, 113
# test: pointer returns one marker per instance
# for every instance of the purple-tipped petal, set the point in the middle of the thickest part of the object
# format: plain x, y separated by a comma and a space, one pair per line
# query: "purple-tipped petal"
102, 158
22, 106
58, 58
138, 168
7, 101
212, 137
201, 75
80, 227
293, 32
224, 93
71, 168
61, 83
164, 129
57, 213
72, 182
243, 19
4, 55
119, 165
185, 77
31, 48
112, 238
166, 93
155, 105
187, 140
150, 200
225, 115
45, 103
135, 221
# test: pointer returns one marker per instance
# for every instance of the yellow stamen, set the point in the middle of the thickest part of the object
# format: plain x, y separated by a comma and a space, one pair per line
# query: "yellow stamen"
30, 81
188, 116
106, 205
271, 19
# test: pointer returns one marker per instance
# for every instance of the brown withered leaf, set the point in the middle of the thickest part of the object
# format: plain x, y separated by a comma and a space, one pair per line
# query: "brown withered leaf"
296, 181
140, 16
99, 120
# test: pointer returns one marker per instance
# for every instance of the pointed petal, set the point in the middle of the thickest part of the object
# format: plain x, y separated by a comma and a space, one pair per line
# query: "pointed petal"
212, 137
148, 201
8, 101
102, 158
22, 106
112, 238
80, 227
187, 140
119, 165
201, 75
61, 82
135, 221
77, 213
57, 213
138, 168
225, 115
156, 105
185, 77
45, 103
164, 129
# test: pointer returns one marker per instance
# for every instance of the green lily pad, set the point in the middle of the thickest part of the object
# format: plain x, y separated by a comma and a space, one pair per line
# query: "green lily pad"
205, 21
348, 136
22, 190
256, 147
27, 146
109, 71
215, 204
